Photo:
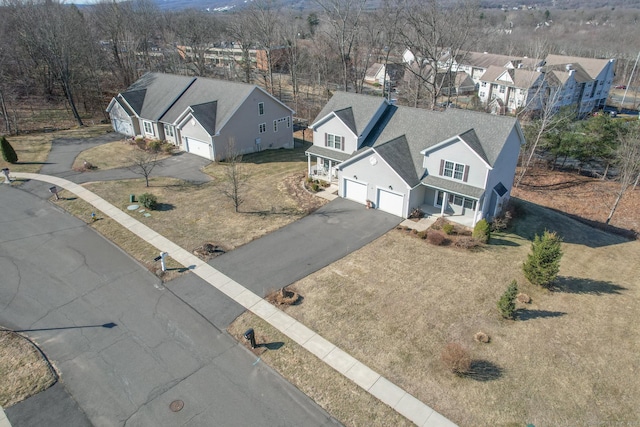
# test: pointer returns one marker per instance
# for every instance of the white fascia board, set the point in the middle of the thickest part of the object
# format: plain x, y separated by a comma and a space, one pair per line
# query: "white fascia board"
327, 118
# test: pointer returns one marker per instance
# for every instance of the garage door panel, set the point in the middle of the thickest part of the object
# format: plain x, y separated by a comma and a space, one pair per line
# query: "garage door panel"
356, 191
390, 202
198, 147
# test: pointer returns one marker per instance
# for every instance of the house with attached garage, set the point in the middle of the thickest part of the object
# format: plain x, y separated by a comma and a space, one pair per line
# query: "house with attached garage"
202, 116
455, 163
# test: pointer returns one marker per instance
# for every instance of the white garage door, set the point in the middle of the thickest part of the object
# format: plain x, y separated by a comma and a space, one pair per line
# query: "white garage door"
390, 202
355, 191
122, 126
200, 148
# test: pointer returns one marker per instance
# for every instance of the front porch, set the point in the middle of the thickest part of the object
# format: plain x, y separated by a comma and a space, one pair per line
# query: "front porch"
325, 163
431, 213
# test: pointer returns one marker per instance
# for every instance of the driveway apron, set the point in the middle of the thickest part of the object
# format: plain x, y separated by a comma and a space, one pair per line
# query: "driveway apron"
305, 246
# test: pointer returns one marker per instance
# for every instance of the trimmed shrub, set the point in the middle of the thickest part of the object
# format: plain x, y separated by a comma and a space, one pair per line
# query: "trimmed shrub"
506, 304
436, 238
456, 358
482, 337
448, 229
523, 298
8, 153
148, 200
168, 148
481, 231
543, 263
423, 234
467, 242
155, 145
315, 187
416, 213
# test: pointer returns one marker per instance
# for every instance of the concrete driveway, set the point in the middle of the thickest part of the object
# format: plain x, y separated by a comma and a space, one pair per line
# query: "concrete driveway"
61, 283
305, 246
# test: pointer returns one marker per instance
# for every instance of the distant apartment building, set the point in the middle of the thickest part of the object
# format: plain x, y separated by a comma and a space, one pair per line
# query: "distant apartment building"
231, 54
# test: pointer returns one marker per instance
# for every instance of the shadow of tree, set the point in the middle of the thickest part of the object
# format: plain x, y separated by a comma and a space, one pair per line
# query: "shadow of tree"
579, 285
502, 242
164, 207
524, 314
483, 370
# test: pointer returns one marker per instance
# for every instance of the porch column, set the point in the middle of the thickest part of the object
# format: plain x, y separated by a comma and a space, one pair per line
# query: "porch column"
475, 213
330, 170
308, 164
445, 198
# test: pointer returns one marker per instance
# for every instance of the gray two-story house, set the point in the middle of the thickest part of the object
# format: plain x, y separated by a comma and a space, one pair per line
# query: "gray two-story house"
202, 116
456, 163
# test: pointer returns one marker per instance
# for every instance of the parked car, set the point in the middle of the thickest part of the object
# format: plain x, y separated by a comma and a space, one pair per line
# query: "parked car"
620, 87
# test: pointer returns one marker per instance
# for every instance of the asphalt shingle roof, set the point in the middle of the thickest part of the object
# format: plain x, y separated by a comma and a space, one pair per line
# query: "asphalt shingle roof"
206, 114
229, 95
165, 97
328, 153
363, 108
160, 92
592, 66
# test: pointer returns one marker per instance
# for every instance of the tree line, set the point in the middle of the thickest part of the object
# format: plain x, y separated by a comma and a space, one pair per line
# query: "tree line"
50, 50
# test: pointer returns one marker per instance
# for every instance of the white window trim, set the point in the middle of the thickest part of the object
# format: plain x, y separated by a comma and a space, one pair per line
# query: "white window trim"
332, 145
144, 125
261, 108
262, 128
453, 170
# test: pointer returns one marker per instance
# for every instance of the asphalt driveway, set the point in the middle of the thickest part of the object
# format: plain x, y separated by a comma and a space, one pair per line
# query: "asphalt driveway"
64, 151
305, 246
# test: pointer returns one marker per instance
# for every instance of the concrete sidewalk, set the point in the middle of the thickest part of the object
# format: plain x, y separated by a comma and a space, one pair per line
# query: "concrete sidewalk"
360, 374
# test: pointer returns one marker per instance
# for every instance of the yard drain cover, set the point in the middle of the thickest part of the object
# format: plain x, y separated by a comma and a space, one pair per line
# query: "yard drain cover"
176, 405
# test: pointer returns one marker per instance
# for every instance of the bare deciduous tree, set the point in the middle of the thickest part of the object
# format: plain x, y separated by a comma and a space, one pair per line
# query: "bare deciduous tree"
143, 163
627, 161
236, 178
438, 35
342, 22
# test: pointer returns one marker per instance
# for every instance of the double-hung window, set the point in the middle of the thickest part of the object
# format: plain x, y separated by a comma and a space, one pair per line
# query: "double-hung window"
260, 108
454, 170
334, 141
263, 127
148, 128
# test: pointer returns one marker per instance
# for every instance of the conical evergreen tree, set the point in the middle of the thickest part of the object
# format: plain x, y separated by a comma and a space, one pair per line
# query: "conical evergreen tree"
8, 153
543, 263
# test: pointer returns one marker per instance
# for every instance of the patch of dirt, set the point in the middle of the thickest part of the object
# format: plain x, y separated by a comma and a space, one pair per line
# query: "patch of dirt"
584, 197
284, 296
295, 187
208, 251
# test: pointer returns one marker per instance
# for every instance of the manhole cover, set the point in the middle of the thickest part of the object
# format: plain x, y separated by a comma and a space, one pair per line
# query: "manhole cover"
176, 405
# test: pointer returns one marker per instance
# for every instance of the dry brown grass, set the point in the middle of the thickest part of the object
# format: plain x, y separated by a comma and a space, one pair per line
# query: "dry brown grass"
112, 155
337, 395
585, 197
23, 370
194, 214
33, 149
570, 359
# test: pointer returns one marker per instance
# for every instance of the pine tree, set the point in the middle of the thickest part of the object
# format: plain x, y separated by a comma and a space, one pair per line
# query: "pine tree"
543, 263
8, 153
506, 303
